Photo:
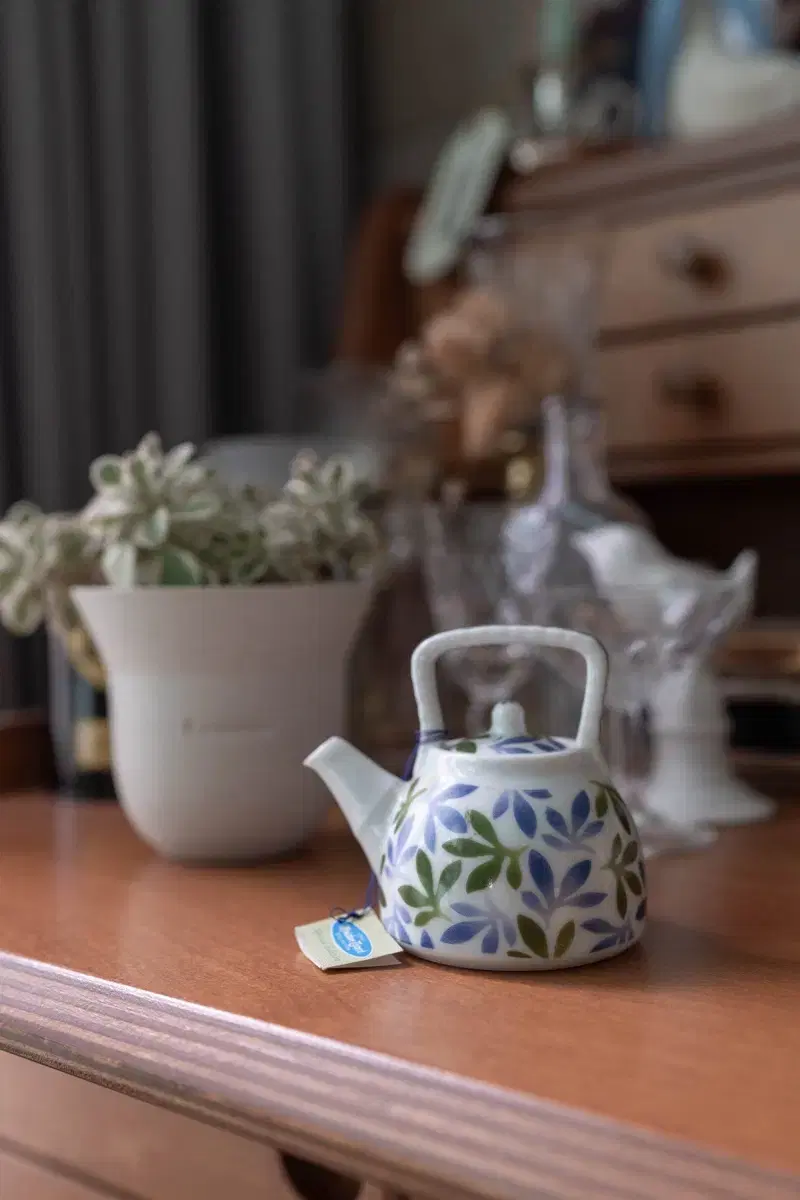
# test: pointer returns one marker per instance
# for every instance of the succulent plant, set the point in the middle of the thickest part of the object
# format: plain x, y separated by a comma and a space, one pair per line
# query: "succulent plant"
37, 552
165, 519
317, 528
152, 515
233, 549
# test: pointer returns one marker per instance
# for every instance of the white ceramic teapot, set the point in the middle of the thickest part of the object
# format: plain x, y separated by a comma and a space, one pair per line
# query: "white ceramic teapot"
508, 852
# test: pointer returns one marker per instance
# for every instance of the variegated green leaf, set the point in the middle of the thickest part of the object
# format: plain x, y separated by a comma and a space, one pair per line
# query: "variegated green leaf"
202, 506
152, 531
22, 610
180, 569
119, 564
177, 459
106, 472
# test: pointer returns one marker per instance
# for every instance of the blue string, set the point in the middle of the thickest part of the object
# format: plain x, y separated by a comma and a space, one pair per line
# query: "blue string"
423, 738
346, 918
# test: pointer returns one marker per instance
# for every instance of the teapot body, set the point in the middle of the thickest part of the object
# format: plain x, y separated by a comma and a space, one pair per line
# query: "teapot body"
517, 861
506, 852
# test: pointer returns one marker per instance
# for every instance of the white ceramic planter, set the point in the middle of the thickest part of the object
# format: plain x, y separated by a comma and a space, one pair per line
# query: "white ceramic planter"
216, 697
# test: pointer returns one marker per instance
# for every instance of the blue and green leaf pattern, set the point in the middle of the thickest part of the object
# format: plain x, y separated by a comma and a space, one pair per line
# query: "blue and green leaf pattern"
485, 921
442, 810
548, 898
578, 832
427, 896
528, 745
520, 805
398, 852
515, 873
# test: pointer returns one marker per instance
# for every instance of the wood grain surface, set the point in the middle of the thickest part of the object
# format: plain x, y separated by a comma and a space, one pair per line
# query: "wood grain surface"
748, 240
691, 1039
26, 1180
742, 363
647, 178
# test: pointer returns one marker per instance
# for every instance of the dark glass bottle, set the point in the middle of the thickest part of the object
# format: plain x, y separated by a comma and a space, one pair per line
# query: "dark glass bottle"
90, 773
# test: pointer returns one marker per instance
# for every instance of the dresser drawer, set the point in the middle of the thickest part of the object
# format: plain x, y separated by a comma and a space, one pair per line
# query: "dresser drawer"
21, 1180
121, 1146
736, 386
707, 263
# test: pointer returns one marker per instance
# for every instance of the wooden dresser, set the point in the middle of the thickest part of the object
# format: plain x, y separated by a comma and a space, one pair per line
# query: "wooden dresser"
698, 344
700, 312
161, 1036
700, 316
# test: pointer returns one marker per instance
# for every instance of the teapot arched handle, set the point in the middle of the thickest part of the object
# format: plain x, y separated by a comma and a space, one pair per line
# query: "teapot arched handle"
424, 658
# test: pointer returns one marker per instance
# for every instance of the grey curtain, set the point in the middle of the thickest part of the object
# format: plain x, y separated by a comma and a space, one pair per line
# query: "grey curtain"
177, 178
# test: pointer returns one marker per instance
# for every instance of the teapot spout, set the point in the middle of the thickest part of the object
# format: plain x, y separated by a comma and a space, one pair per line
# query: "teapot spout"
365, 793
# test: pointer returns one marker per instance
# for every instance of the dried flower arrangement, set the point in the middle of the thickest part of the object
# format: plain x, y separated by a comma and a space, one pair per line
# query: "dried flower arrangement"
166, 519
478, 364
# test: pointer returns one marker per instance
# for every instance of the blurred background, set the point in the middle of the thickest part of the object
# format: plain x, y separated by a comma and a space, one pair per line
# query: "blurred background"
178, 183
203, 206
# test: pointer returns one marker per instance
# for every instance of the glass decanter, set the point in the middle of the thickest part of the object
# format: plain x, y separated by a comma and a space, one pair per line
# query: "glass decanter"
576, 496
542, 561
548, 279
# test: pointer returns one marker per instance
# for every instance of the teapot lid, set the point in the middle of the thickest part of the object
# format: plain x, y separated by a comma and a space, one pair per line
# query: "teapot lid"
507, 736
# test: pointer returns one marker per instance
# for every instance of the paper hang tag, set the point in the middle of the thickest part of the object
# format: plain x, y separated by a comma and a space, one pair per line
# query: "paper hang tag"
338, 943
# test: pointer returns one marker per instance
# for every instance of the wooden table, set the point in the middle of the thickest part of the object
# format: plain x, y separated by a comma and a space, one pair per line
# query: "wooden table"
671, 1072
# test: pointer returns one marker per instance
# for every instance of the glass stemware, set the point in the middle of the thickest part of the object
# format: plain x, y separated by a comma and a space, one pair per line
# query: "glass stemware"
641, 651
466, 582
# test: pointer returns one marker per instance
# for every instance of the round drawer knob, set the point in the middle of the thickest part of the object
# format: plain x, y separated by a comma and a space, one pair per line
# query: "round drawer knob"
691, 389
692, 261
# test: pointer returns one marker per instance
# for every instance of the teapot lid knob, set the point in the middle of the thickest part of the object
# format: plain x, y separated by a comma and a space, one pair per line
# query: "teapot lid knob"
508, 720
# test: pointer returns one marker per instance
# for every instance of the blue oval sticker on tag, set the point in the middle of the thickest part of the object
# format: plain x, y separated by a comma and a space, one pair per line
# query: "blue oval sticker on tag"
351, 939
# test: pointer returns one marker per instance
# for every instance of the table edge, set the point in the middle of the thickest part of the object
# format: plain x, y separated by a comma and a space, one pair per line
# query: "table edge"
397, 1123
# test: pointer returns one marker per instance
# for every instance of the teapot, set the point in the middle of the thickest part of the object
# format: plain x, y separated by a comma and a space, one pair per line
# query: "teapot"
509, 851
